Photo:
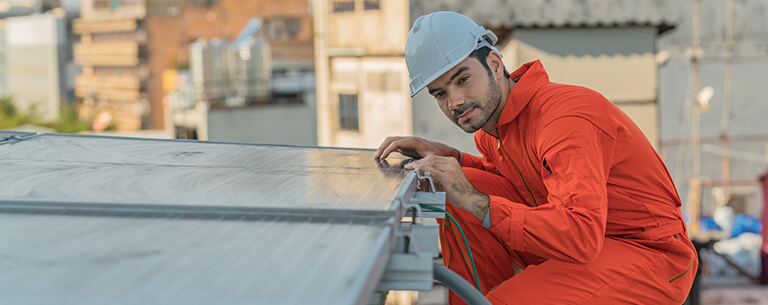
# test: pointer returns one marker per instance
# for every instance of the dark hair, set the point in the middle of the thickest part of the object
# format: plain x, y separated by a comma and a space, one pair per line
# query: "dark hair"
481, 54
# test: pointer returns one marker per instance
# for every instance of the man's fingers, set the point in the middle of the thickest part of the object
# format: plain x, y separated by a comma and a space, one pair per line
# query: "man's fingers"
392, 147
382, 163
423, 165
407, 146
385, 144
413, 147
413, 165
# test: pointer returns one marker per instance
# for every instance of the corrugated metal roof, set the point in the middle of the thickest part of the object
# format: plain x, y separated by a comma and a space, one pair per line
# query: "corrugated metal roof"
557, 13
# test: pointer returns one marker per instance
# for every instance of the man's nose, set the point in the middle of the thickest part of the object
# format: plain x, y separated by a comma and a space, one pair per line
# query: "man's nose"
455, 100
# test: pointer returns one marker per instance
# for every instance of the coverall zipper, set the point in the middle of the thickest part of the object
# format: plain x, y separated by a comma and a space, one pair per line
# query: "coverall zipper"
501, 145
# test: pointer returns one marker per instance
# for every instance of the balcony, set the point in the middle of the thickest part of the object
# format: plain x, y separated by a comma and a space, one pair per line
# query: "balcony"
120, 54
86, 26
125, 88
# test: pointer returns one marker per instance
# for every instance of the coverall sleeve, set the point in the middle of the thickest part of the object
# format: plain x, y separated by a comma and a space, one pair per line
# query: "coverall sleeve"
481, 162
575, 158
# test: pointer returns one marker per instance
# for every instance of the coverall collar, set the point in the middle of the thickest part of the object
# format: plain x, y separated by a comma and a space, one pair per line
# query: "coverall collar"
532, 76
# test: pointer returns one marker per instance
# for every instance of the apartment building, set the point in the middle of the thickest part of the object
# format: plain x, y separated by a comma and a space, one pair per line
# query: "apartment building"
126, 45
362, 81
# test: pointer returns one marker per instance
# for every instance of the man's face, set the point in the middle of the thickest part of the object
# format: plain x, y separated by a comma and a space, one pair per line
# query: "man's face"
467, 94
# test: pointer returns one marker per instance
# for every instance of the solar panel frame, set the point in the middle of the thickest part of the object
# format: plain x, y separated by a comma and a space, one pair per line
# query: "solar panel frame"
7, 135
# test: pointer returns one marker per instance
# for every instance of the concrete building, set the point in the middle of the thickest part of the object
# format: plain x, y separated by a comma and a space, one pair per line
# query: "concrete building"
8, 10
114, 74
127, 45
34, 64
286, 117
362, 81
258, 87
3, 63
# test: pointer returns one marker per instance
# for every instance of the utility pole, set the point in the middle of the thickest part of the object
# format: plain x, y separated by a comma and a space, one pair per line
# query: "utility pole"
694, 185
320, 11
727, 93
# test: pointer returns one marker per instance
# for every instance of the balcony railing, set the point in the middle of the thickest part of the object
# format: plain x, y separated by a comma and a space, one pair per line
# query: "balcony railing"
107, 53
109, 87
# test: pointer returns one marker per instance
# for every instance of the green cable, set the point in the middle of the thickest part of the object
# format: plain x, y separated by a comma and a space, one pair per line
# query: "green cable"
474, 270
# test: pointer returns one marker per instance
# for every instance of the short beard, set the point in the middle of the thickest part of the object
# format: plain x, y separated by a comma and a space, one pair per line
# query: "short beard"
492, 102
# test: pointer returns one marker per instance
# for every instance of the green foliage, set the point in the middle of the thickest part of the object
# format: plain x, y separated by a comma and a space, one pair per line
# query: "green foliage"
6, 107
10, 116
68, 121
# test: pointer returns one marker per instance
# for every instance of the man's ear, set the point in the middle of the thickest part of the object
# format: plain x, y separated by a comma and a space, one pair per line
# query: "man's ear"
495, 64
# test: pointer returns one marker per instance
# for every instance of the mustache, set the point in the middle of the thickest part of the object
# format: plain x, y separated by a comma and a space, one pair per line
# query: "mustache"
463, 108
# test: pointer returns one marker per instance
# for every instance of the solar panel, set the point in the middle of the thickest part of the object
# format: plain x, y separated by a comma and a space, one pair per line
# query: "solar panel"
95, 220
120, 260
118, 170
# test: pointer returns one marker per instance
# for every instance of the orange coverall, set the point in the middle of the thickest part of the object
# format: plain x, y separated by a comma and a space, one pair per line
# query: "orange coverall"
582, 209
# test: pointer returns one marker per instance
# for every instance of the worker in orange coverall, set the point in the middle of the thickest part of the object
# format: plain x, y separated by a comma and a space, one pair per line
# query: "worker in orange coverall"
569, 203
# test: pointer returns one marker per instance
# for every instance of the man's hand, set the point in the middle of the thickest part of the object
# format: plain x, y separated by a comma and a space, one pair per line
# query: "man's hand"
415, 147
449, 177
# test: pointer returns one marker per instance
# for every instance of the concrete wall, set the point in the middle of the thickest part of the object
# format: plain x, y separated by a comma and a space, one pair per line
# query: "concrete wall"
383, 103
360, 52
378, 32
3, 62
274, 124
617, 62
32, 44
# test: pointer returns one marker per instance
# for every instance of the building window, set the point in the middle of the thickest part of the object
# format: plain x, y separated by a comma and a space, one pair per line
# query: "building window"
348, 115
203, 2
163, 7
371, 4
343, 6
115, 4
283, 29
292, 27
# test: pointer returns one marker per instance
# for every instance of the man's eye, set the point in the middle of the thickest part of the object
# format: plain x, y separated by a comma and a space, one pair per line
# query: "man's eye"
439, 95
463, 79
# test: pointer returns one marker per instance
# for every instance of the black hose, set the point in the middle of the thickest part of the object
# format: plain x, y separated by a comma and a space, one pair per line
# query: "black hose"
457, 284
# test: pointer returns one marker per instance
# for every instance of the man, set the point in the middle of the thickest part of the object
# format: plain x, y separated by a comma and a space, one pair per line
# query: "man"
569, 203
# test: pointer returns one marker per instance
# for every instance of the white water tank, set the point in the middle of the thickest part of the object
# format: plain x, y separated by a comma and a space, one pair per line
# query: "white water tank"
252, 69
210, 61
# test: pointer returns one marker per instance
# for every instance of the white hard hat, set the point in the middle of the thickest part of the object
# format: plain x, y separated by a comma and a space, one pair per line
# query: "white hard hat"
438, 42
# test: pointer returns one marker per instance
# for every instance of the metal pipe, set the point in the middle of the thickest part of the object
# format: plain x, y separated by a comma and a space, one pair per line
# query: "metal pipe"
727, 89
457, 284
